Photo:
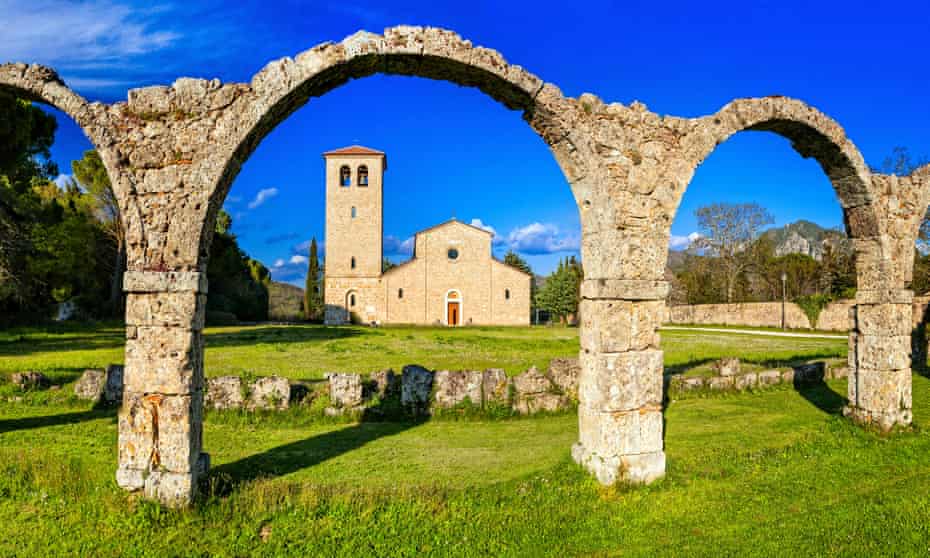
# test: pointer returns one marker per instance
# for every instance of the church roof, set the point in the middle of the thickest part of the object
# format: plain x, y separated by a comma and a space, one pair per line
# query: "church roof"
357, 150
452, 221
354, 150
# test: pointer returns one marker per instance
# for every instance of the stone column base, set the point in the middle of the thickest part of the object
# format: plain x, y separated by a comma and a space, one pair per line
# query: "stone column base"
172, 489
884, 421
642, 468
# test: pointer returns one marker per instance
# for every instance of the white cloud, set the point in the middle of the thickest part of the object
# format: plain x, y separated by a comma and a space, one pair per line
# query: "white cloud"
481, 225
55, 31
394, 246
677, 242
278, 263
540, 238
298, 259
263, 196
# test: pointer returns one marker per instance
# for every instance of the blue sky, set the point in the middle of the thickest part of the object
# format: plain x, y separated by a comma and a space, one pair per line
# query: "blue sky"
454, 151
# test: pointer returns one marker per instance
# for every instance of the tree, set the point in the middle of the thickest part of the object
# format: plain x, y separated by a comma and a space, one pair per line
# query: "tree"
26, 137
313, 293
387, 265
238, 284
727, 233
92, 175
560, 293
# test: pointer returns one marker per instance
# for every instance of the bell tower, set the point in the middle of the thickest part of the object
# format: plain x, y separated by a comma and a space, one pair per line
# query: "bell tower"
354, 227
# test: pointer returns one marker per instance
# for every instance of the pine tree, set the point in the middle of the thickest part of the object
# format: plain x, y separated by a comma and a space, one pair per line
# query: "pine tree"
313, 294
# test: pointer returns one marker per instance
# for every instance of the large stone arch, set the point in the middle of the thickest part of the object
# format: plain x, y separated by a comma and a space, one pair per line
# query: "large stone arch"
173, 152
285, 85
879, 356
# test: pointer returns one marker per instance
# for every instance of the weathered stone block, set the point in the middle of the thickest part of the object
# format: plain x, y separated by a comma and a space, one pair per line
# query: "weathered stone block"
224, 392
29, 380
385, 383
642, 468
415, 389
531, 381
345, 390
531, 403
455, 387
620, 433
720, 383
177, 309
727, 366
769, 378
746, 381
884, 319
564, 373
101, 386
788, 376
495, 387
164, 360
160, 432
164, 281
692, 383
90, 385
621, 382
272, 392
613, 326
886, 393
883, 353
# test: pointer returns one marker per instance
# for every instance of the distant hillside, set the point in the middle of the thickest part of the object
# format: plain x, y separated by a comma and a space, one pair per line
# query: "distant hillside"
285, 302
805, 237
800, 237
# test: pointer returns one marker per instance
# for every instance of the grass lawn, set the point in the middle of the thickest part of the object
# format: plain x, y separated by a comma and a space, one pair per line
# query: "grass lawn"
772, 473
306, 352
776, 473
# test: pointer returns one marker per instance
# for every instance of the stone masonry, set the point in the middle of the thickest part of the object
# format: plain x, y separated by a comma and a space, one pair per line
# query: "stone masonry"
172, 153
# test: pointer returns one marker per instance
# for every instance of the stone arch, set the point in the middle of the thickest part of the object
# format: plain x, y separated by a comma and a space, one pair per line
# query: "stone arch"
43, 85
285, 85
812, 134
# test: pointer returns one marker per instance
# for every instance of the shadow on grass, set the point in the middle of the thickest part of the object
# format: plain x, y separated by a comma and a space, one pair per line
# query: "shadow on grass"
288, 458
38, 342
28, 423
822, 396
281, 334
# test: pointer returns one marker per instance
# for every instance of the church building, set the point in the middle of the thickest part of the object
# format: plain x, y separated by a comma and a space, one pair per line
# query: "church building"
452, 279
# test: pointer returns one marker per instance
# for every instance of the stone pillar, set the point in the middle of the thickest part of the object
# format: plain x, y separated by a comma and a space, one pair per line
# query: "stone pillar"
160, 421
620, 390
879, 359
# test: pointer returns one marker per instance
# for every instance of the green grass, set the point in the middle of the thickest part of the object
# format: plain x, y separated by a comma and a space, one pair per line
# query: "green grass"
772, 473
776, 473
307, 352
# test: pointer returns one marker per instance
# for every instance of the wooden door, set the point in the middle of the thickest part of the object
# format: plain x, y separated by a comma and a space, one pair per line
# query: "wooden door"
452, 313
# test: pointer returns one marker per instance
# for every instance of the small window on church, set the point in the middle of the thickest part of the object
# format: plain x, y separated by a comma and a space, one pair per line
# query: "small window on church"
353, 212
400, 293
352, 263
453, 254
363, 176
351, 300
507, 294
345, 176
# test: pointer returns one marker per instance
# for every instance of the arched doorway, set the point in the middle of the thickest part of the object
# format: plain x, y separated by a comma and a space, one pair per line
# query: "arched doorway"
453, 308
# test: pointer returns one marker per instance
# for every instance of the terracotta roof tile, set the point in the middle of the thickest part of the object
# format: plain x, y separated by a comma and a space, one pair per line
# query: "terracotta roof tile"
354, 150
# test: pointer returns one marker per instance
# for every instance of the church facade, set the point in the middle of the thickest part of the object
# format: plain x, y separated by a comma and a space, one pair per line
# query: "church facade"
452, 278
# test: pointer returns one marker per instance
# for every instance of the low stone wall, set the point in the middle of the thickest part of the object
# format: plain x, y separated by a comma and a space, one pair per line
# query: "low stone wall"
753, 314
804, 374
834, 317
418, 391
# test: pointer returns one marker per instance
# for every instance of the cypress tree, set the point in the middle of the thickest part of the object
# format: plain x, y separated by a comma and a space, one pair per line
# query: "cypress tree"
313, 302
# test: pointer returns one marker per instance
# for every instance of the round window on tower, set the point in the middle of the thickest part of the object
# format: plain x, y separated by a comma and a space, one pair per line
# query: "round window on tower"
453, 254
